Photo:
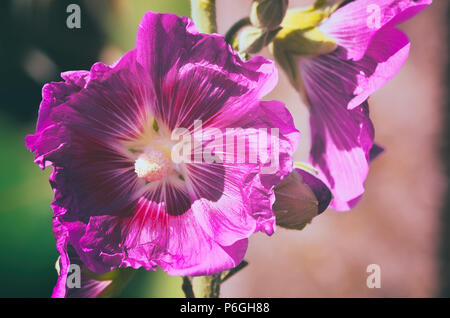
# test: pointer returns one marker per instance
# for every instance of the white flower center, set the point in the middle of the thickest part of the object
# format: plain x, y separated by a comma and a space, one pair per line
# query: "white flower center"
151, 165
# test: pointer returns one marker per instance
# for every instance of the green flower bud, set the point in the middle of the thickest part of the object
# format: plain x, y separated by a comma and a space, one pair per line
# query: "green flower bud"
299, 198
300, 37
253, 40
268, 14
309, 42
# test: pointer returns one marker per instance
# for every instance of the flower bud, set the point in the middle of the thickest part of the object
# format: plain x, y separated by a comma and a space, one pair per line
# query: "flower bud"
253, 40
300, 37
300, 34
268, 14
299, 198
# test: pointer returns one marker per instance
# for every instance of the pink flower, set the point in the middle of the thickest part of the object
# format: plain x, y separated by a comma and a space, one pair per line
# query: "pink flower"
120, 200
337, 59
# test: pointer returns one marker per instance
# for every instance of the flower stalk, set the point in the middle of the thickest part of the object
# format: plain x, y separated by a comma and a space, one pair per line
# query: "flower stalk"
202, 286
208, 286
203, 14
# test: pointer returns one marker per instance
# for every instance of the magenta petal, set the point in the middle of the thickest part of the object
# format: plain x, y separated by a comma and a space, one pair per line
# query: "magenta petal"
352, 26
62, 239
91, 176
255, 183
387, 52
49, 136
341, 143
89, 286
197, 75
248, 195
272, 114
76, 78
80, 282
151, 238
333, 84
225, 217
349, 83
165, 41
219, 257
341, 130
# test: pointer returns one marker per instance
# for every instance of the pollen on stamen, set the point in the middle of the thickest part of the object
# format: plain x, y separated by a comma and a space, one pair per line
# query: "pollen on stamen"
151, 166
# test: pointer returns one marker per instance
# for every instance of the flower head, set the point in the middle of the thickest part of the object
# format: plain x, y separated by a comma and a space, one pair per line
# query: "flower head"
121, 200
336, 56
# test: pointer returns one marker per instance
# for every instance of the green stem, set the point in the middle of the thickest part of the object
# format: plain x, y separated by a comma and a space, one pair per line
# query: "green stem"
202, 286
203, 14
208, 286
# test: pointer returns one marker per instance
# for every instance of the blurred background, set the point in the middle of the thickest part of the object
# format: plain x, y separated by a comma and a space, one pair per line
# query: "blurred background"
401, 224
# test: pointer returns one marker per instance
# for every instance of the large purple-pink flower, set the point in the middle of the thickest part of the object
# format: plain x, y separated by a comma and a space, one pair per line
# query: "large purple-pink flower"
337, 61
119, 199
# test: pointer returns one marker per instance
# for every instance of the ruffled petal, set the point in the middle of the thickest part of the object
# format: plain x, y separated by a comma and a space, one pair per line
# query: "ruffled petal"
219, 207
70, 263
349, 83
197, 75
271, 140
49, 136
152, 237
233, 199
341, 144
77, 281
354, 25
342, 132
260, 191
346, 163
62, 240
384, 58
81, 126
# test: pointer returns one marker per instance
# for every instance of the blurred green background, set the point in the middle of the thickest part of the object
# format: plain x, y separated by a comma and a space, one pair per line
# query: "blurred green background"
35, 46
